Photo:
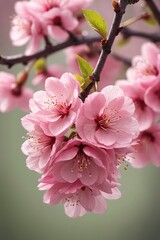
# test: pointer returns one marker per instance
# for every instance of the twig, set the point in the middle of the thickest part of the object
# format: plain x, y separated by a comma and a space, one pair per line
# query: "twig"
127, 32
106, 48
13, 60
154, 9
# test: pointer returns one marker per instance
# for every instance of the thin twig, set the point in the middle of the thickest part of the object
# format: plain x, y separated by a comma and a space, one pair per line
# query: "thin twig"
106, 48
50, 49
154, 10
127, 32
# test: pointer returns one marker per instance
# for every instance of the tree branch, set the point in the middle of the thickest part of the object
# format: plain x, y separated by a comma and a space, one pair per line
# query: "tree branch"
13, 60
154, 9
106, 48
127, 32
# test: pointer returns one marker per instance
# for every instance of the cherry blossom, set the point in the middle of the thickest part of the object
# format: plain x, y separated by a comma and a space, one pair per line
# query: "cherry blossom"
81, 160
63, 4
11, 95
39, 147
143, 112
26, 27
110, 122
147, 150
145, 68
57, 106
82, 176
59, 22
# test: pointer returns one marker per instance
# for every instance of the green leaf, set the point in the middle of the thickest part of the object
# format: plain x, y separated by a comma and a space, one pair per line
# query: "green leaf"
79, 79
85, 67
96, 21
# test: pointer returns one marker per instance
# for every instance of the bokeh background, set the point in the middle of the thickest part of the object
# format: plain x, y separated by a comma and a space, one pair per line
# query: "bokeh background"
24, 216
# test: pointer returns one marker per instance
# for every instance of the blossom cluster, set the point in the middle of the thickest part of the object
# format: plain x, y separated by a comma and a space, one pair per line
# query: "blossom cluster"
143, 87
37, 19
77, 146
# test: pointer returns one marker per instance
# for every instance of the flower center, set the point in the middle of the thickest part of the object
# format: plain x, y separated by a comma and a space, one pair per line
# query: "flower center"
139, 103
57, 21
39, 143
80, 162
62, 108
144, 68
103, 121
108, 119
147, 137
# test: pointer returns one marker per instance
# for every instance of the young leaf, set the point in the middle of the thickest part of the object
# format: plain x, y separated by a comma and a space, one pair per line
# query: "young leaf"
96, 21
79, 79
85, 67
83, 82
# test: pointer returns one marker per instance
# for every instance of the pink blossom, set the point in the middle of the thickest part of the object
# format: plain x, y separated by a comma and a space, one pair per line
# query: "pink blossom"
81, 160
39, 147
77, 199
143, 113
11, 96
57, 107
76, 203
81, 176
59, 22
26, 27
63, 4
152, 96
148, 148
51, 71
145, 68
106, 118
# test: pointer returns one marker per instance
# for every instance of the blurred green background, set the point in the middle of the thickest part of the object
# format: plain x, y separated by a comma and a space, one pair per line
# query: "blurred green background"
24, 216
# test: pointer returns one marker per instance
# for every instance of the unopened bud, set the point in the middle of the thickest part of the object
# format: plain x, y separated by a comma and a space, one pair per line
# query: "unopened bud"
21, 78
40, 66
116, 5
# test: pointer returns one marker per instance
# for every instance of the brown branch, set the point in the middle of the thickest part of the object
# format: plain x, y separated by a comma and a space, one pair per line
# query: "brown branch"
127, 32
50, 49
154, 10
106, 48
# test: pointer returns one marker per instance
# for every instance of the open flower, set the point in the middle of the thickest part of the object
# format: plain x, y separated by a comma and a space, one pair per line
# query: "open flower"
26, 27
106, 118
59, 22
79, 160
147, 150
56, 108
143, 112
39, 147
145, 68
